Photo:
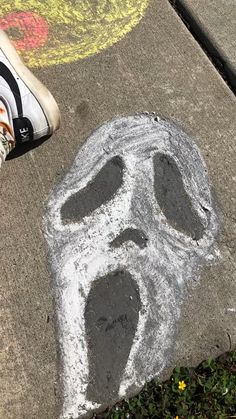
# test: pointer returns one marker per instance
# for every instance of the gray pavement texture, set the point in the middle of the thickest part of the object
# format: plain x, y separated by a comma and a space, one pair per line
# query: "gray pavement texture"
157, 67
215, 23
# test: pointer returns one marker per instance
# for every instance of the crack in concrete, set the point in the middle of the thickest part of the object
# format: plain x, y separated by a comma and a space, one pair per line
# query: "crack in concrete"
214, 53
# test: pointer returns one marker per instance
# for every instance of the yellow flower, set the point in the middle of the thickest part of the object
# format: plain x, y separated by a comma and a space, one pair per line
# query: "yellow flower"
176, 417
182, 385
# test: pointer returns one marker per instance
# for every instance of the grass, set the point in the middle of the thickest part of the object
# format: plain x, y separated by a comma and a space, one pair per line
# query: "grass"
210, 393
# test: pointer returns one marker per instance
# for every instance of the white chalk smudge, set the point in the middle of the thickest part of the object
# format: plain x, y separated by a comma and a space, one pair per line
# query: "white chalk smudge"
81, 252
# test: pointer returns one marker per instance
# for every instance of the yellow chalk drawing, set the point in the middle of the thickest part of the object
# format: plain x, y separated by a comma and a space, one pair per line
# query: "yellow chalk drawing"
76, 28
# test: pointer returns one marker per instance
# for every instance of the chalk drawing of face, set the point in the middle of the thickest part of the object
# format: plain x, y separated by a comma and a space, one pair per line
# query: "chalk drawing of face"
131, 223
61, 31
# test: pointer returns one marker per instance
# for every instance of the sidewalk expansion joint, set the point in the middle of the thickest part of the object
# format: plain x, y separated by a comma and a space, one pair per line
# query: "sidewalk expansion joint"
214, 54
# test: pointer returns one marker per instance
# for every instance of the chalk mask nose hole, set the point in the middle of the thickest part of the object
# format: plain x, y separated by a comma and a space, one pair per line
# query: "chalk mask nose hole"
131, 234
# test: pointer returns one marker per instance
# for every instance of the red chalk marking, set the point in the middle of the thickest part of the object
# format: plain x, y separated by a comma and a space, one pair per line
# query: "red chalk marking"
33, 28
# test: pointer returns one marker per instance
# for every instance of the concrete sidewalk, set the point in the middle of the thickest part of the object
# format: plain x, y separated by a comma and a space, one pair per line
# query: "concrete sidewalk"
157, 67
214, 25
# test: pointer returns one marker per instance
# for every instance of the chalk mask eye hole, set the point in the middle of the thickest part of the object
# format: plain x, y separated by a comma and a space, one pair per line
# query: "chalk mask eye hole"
172, 198
97, 192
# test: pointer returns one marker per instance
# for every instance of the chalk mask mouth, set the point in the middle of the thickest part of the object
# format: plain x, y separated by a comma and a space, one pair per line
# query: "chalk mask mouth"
111, 320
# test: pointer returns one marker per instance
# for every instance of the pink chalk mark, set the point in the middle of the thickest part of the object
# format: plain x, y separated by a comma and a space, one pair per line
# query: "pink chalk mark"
33, 29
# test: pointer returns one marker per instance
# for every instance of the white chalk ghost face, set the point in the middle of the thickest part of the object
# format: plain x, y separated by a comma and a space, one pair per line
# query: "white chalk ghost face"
128, 227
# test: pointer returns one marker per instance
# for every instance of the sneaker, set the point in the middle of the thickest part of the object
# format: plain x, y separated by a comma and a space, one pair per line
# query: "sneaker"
6, 116
33, 109
7, 140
